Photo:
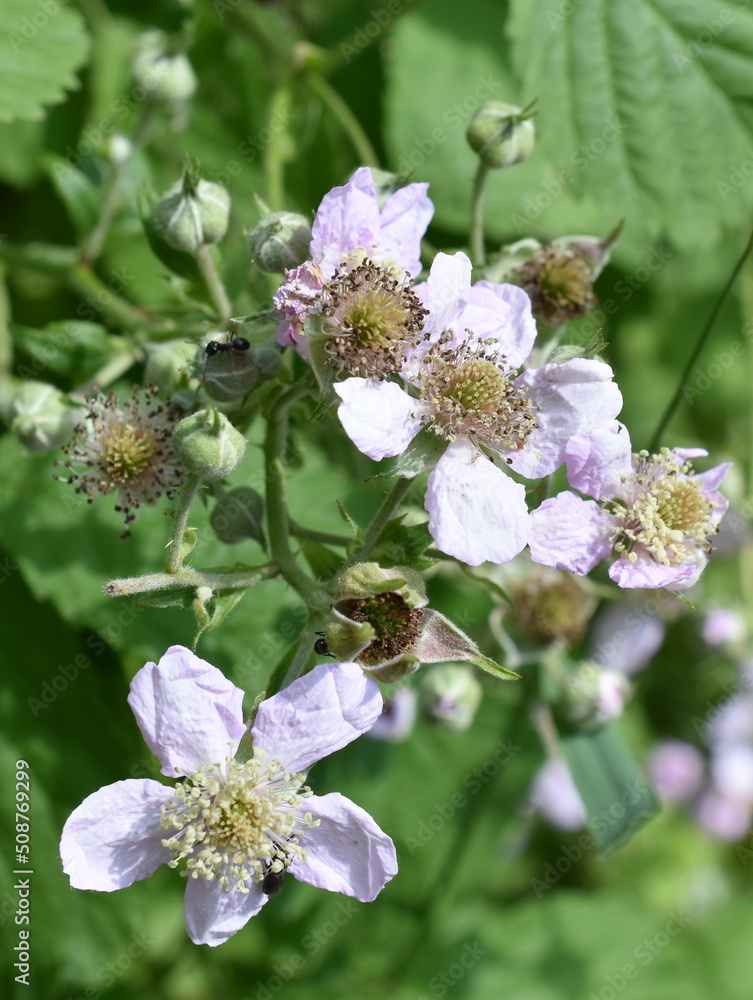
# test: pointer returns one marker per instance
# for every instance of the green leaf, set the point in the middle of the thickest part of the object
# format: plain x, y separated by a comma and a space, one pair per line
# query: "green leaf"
79, 195
614, 790
421, 455
324, 562
21, 145
645, 105
41, 47
239, 514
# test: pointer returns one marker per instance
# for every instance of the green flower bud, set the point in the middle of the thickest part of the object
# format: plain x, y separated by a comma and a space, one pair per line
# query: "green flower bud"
42, 416
166, 364
167, 77
501, 134
227, 368
208, 445
280, 241
451, 694
192, 213
268, 359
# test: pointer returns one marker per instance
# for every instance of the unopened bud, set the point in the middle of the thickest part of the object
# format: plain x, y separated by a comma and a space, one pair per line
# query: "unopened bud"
192, 213
42, 416
280, 242
227, 368
501, 134
208, 445
451, 694
167, 77
166, 363
594, 695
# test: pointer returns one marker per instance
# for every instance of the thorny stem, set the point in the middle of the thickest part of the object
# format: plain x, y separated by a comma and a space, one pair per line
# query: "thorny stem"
704, 336
478, 254
174, 560
214, 284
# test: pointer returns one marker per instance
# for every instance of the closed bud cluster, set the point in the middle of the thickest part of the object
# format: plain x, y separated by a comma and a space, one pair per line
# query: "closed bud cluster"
501, 134
192, 214
208, 445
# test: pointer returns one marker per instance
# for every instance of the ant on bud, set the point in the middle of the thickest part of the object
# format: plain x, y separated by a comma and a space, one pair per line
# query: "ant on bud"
238, 344
321, 647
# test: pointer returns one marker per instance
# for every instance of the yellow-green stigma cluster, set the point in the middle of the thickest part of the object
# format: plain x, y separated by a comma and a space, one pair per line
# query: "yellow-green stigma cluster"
372, 318
470, 392
668, 515
559, 282
237, 822
397, 626
125, 448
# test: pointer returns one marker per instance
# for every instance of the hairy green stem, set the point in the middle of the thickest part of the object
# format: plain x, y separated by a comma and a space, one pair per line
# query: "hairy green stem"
214, 285
704, 336
478, 254
174, 560
151, 582
278, 149
309, 534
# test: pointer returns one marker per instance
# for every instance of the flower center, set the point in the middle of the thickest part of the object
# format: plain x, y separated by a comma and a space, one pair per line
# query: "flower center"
559, 282
371, 318
471, 393
668, 514
237, 822
397, 626
126, 453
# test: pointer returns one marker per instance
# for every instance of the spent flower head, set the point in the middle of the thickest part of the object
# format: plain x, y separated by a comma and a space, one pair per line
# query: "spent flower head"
125, 448
241, 815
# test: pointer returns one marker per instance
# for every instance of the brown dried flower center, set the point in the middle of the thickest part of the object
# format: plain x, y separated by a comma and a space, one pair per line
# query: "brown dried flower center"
397, 626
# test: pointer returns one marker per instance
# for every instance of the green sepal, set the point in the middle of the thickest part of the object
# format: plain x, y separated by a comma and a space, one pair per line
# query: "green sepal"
421, 455
618, 799
209, 614
358, 535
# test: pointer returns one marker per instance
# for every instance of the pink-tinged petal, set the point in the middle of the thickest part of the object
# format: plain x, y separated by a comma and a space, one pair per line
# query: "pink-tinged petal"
189, 712
570, 533
404, 220
378, 417
446, 293
598, 462
644, 572
688, 453
317, 714
213, 915
714, 477
347, 218
502, 312
347, 852
476, 512
114, 837
574, 398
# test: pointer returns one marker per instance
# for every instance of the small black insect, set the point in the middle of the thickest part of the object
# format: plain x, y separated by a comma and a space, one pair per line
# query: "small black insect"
217, 347
321, 647
272, 883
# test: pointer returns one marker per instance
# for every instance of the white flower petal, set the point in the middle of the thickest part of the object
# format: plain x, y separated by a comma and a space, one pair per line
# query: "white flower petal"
574, 398
189, 712
377, 416
317, 714
347, 852
598, 462
502, 312
570, 533
114, 837
213, 915
446, 293
645, 572
476, 512
404, 220
347, 218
